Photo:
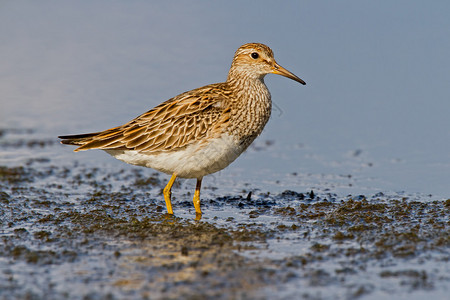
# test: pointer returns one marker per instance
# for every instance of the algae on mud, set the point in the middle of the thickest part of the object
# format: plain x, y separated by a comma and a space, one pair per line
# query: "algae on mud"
72, 231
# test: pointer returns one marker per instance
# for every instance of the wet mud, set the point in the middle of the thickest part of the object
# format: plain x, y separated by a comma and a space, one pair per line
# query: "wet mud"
71, 231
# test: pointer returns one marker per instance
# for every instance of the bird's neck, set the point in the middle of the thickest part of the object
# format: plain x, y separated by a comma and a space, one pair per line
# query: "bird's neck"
249, 88
247, 83
253, 102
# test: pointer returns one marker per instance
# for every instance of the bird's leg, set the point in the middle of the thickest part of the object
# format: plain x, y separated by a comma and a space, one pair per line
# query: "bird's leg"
168, 193
196, 200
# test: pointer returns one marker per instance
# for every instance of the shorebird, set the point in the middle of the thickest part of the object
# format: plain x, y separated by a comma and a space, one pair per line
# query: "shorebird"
198, 132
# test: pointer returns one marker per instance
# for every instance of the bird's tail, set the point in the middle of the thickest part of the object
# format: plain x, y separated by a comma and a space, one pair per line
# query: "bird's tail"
77, 139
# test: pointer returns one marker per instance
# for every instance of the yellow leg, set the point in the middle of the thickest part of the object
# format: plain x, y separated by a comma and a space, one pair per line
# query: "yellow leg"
168, 193
198, 211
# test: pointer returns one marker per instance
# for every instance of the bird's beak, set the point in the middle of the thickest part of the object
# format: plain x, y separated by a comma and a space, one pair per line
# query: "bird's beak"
277, 69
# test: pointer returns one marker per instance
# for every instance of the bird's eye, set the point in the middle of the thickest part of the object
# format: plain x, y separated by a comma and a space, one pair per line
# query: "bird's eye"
255, 55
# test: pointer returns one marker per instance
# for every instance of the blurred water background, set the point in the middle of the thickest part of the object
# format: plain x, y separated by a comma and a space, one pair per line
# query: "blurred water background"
372, 117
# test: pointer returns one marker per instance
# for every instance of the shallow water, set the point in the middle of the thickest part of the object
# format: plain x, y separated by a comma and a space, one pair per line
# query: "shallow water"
369, 140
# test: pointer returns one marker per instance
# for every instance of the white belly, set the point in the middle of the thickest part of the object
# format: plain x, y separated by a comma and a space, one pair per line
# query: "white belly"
192, 162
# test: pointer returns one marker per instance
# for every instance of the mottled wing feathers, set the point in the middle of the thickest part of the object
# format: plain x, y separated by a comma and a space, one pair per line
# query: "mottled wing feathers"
173, 124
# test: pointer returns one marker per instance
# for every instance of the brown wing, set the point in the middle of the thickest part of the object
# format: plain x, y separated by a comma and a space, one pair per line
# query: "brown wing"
171, 125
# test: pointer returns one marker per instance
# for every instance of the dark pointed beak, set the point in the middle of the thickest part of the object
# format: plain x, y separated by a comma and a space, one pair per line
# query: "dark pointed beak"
277, 69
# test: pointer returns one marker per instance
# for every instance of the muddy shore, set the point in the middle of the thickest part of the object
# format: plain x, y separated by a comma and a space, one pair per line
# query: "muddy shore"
78, 232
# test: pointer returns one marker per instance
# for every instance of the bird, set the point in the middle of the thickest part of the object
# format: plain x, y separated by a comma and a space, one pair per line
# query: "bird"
198, 132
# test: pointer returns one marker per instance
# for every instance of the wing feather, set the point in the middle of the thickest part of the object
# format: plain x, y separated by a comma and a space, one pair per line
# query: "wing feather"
172, 125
